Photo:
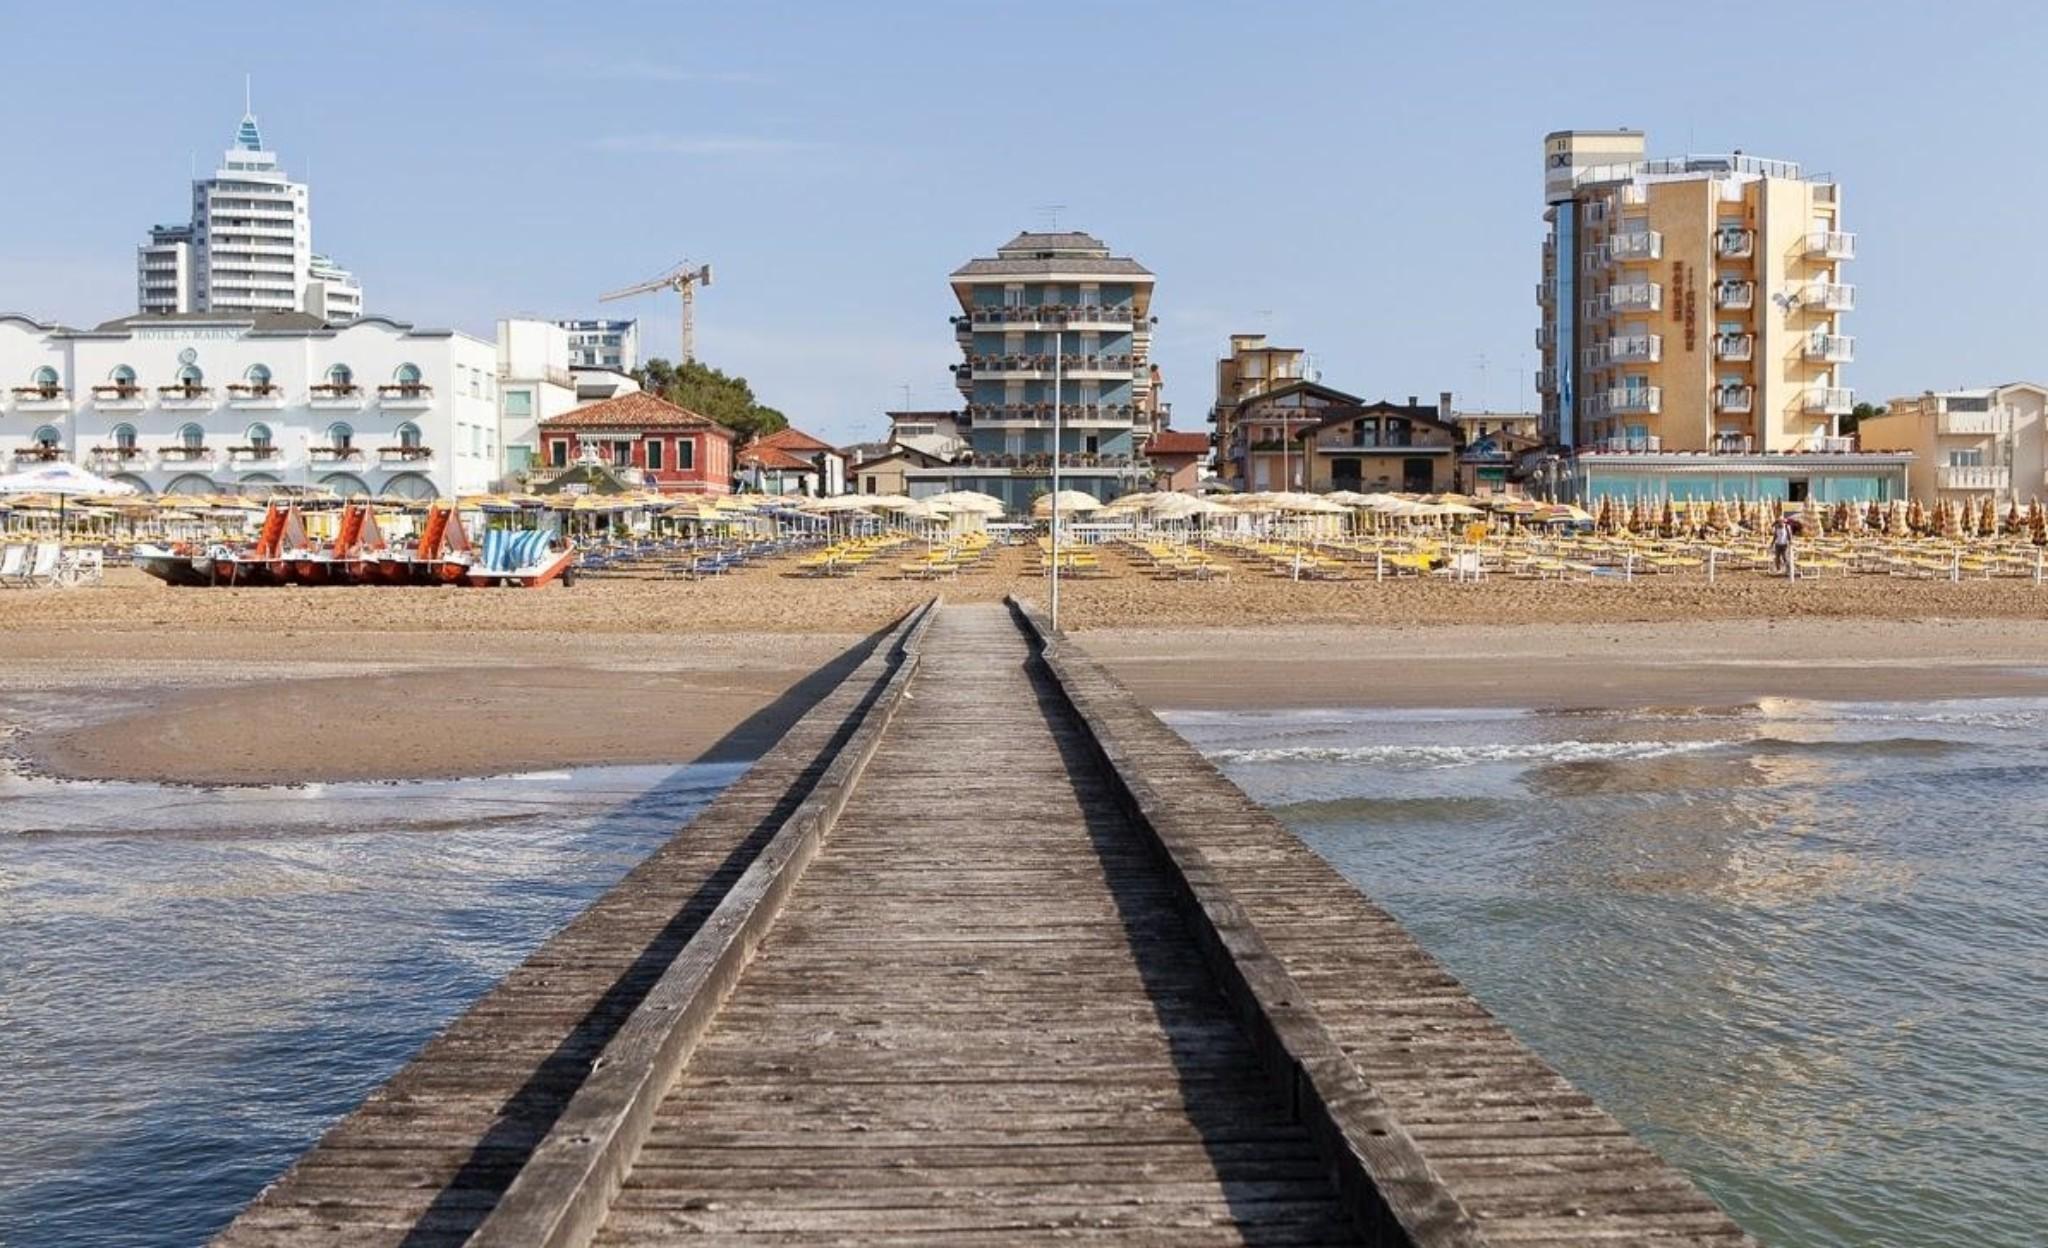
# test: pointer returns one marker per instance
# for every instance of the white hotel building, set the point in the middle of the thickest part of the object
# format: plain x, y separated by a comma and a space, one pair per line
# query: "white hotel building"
247, 248
209, 402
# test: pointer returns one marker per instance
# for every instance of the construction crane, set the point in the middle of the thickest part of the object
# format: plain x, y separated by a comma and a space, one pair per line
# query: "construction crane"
684, 280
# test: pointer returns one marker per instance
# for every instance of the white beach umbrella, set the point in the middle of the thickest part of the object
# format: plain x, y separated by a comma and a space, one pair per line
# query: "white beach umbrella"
65, 480
1069, 500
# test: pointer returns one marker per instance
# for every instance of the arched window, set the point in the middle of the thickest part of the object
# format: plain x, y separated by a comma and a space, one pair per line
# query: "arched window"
122, 375
407, 375
191, 437
47, 437
258, 379
259, 436
45, 379
340, 436
409, 436
124, 437
190, 379
341, 379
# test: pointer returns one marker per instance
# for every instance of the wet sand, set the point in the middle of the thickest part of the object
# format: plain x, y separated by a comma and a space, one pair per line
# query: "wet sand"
140, 681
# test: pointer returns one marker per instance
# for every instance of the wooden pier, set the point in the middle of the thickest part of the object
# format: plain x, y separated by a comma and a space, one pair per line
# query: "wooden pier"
980, 953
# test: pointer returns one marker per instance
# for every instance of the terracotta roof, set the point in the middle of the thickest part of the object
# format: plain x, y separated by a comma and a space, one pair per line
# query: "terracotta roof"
793, 440
638, 410
760, 456
1175, 442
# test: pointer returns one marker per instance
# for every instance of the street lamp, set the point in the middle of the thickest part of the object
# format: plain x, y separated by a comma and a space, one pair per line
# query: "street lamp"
1058, 361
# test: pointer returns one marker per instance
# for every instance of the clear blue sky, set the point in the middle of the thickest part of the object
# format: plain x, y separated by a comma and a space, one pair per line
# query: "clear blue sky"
1359, 179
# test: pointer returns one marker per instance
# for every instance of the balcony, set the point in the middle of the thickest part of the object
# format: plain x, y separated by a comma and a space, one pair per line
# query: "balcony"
1645, 444
1050, 316
1042, 463
1042, 366
336, 396
1830, 245
404, 456
1734, 294
1734, 399
1830, 348
39, 454
1546, 337
331, 454
41, 398
255, 396
1733, 444
1546, 380
1974, 476
1967, 424
1635, 400
253, 456
1829, 296
1735, 244
185, 398
186, 454
406, 394
1635, 246
1635, 349
117, 458
1829, 400
1040, 414
1635, 297
117, 396
1734, 347
1546, 291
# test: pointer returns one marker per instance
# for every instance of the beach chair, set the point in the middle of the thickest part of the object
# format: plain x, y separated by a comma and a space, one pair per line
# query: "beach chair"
14, 564
44, 566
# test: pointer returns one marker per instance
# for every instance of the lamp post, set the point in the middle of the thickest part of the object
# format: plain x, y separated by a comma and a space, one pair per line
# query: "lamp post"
1058, 360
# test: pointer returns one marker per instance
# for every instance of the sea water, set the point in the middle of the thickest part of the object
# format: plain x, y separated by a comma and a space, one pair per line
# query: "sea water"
195, 983
1801, 948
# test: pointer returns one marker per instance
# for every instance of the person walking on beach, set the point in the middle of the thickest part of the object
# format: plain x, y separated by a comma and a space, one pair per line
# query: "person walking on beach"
1781, 546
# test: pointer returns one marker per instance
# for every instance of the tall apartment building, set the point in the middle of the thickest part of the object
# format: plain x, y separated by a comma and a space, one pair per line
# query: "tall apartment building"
604, 344
1691, 329
1039, 292
248, 247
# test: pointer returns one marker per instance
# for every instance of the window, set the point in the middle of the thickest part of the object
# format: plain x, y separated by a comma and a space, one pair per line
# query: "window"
1972, 458
122, 376
47, 437
124, 437
340, 436
518, 457
259, 437
519, 403
45, 378
1090, 392
686, 454
407, 375
258, 378
409, 436
558, 452
190, 377
341, 379
191, 437
654, 455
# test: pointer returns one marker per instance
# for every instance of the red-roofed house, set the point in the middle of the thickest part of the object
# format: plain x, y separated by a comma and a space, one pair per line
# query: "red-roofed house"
676, 450
790, 461
1176, 458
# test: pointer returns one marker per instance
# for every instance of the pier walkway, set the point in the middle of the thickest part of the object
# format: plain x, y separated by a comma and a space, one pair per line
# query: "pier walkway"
981, 953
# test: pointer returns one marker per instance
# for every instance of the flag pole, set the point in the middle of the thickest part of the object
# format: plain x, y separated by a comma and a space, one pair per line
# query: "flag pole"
1058, 360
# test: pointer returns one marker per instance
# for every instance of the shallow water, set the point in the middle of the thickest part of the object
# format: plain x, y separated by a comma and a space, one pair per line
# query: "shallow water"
195, 982
1801, 947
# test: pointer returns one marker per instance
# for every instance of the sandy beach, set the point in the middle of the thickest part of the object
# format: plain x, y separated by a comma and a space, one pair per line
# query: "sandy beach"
139, 681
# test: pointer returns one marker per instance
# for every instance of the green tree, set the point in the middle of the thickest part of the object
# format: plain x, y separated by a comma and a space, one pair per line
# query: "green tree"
1858, 414
709, 392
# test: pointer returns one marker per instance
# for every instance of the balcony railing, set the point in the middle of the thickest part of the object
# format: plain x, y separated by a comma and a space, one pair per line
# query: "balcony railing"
251, 454
1734, 294
332, 453
405, 392
1072, 363
1016, 413
1734, 444
1734, 398
1546, 337
1967, 424
1830, 400
185, 393
1635, 297
41, 394
1830, 245
1830, 296
404, 454
1635, 399
1974, 476
1646, 444
1735, 244
1635, 349
187, 454
1052, 314
1735, 347
118, 454
1546, 291
1070, 459
253, 390
336, 390
1830, 348
39, 454
1635, 245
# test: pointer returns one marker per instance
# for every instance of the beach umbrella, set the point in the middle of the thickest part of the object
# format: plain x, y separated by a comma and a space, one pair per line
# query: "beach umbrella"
987, 504
65, 481
1987, 518
2037, 523
1069, 501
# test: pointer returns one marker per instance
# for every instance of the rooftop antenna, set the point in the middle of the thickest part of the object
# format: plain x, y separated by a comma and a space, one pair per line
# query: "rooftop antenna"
905, 387
1052, 213
248, 96
1485, 396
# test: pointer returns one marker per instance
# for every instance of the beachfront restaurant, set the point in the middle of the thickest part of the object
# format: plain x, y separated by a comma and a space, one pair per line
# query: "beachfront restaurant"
1793, 477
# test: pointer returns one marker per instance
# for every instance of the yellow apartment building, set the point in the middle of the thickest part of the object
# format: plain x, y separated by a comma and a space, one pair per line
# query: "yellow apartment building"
1692, 327
1969, 445
1252, 368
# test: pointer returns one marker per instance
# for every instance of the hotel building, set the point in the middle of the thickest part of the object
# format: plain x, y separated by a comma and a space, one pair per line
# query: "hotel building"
211, 403
1692, 326
1253, 368
1012, 305
604, 344
1970, 445
248, 247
